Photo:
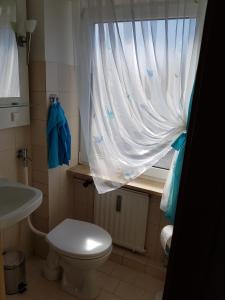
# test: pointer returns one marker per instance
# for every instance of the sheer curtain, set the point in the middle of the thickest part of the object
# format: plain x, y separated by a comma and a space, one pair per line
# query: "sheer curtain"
9, 65
136, 62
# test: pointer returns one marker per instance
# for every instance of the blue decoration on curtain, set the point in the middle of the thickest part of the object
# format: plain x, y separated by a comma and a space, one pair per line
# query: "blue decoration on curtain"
178, 145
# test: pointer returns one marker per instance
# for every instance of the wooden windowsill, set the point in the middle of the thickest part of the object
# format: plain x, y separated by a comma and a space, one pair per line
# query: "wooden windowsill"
139, 184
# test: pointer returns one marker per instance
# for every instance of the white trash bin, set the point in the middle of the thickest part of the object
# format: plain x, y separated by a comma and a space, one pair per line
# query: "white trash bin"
15, 273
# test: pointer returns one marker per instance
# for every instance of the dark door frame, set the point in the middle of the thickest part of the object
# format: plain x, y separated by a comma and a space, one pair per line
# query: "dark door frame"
196, 268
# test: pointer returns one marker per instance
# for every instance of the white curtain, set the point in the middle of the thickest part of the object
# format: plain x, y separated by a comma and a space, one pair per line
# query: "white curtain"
9, 65
136, 62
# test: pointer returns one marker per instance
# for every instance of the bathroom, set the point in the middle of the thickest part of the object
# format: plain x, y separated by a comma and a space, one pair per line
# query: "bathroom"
131, 211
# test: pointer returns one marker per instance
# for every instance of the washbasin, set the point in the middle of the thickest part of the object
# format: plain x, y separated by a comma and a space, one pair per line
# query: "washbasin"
17, 201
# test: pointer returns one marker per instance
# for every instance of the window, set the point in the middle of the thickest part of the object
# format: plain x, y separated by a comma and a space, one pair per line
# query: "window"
176, 30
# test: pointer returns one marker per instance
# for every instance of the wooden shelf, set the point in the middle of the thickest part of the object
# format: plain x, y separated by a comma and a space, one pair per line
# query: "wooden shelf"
141, 184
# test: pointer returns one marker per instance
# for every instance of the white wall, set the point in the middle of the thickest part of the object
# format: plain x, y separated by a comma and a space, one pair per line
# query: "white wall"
52, 72
58, 31
35, 9
12, 139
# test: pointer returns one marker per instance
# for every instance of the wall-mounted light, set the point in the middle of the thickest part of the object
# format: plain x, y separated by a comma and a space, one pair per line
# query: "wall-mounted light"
22, 40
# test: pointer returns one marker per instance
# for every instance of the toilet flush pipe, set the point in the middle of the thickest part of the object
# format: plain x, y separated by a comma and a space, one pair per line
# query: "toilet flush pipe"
22, 154
34, 230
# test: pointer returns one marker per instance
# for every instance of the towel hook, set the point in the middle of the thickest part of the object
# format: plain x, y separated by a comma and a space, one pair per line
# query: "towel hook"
53, 98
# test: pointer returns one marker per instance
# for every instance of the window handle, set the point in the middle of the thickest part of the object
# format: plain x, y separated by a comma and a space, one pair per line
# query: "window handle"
87, 183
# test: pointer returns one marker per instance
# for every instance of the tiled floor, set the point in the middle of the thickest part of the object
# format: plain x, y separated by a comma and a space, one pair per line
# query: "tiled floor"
117, 282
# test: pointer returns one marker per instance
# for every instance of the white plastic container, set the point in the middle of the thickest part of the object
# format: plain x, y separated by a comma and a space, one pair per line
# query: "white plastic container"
15, 273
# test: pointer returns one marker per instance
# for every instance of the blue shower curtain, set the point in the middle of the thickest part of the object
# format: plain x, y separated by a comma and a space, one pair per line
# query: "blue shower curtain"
178, 145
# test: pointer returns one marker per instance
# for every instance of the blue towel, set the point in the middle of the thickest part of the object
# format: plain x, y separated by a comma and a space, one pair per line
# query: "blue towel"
59, 138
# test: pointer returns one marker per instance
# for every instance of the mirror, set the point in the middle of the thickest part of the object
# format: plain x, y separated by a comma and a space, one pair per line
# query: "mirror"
9, 62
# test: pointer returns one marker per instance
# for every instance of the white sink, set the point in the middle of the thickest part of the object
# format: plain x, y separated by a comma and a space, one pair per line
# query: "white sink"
17, 201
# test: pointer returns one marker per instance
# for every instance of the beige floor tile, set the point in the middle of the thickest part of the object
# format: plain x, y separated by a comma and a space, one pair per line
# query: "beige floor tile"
116, 258
108, 267
124, 273
117, 282
156, 270
129, 292
135, 265
106, 282
118, 250
136, 257
107, 296
24, 296
149, 296
148, 283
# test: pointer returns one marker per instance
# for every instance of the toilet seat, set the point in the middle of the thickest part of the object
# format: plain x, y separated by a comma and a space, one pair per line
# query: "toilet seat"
80, 240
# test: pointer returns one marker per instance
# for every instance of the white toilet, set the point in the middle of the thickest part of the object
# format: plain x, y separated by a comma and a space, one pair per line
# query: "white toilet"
77, 249
165, 239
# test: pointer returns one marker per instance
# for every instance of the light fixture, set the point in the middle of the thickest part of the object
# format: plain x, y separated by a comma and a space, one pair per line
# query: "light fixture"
22, 40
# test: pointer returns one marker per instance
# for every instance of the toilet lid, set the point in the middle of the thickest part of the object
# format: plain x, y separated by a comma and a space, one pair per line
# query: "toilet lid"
79, 239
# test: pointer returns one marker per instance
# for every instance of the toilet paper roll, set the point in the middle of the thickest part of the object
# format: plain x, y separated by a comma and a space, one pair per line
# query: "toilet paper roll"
165, 237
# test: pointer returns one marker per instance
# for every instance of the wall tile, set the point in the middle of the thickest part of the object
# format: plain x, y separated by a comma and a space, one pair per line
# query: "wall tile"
11, 237
74, 129
152, 240
41, 247
10, 167
38, 98
40, 176
8, 164
64, 78
83, 201
68, 102
22, 137
39, 158
38, 112
37, 76
52, 83
43, 209
42, 187
154, 210
163, 221
38, 133
41, 223
7, 139
26, 238
74, 80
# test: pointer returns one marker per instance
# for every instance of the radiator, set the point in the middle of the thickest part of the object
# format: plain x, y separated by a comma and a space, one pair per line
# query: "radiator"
123, 214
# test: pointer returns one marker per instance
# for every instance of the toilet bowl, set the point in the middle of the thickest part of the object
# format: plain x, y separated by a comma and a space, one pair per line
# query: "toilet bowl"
77, 249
